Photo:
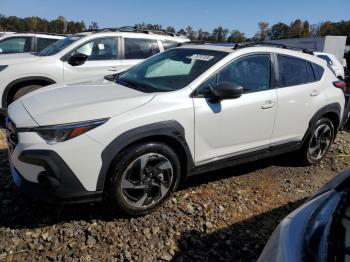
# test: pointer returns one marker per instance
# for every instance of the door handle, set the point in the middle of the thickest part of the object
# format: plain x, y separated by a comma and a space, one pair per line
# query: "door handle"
268, 104
315, 92
113, 68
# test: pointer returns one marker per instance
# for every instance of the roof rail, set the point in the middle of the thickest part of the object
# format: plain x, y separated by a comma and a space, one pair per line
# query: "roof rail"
135, 30
252, 44
40, 33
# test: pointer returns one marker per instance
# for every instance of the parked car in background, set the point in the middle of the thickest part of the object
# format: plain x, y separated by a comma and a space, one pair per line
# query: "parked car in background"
334, 63
80, 57
182, 112
13, 43
317, 231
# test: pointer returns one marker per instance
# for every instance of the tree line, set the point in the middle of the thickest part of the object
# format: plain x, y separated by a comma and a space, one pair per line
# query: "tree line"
37, 24
295, 29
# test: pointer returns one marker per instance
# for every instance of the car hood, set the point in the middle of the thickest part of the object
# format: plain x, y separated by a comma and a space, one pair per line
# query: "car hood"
12, 59
61, 104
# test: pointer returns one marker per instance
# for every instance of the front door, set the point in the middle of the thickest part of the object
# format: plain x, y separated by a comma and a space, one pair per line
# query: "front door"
102, 60
236, 126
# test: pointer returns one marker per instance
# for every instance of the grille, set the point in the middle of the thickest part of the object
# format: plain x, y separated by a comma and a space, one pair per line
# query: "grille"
11, 135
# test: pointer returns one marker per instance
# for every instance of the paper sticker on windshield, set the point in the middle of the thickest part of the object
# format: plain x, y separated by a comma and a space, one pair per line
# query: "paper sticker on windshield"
201, 57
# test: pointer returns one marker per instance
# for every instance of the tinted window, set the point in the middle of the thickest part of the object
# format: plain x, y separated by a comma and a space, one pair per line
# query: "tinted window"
100, 49
318, 70
326, 58
170, 70
136, 48
16, 45
42, 43
292, 71
167, 44
59, 45
252, 73
310, 73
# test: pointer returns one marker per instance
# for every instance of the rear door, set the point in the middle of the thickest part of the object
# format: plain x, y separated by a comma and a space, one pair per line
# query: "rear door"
135, 50
103, 59
300, 96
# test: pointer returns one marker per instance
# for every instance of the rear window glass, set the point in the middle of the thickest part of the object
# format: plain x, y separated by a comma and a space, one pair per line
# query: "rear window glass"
137, 48
42, 43
318, 70
292, 71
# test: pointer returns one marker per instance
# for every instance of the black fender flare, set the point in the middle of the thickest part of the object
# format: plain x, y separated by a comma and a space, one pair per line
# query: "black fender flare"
331, 108
20, 80
168, 129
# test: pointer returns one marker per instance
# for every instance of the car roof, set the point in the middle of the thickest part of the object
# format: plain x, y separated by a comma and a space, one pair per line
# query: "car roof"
208, 47
46, 35
141, 34
256, 49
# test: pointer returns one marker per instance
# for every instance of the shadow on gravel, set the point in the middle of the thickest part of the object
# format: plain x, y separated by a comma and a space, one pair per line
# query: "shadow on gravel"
242, 241
286, 160
18, 211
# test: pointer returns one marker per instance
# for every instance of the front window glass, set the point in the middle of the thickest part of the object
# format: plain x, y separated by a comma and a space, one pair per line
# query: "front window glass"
252, 73
59, 45
100, 49
171, 70
16, 45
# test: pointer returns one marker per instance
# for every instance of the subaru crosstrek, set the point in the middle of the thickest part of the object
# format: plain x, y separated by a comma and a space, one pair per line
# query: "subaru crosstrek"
182, 112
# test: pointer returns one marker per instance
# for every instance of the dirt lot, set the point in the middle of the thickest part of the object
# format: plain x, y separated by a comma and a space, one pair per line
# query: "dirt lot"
226, 215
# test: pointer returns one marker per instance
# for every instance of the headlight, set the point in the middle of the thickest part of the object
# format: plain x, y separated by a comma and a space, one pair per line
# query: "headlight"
2, 67
61, 133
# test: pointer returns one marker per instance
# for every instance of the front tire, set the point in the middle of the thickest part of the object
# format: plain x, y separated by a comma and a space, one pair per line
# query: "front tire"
143, 177
318, 141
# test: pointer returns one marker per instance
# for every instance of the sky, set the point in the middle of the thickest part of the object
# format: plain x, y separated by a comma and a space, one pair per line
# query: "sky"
206, 14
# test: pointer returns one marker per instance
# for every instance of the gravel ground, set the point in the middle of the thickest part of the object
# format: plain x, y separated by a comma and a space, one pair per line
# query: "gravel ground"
226, 215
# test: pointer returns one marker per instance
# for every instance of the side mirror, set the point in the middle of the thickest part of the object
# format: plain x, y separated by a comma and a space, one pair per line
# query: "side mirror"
226, 90
77, 59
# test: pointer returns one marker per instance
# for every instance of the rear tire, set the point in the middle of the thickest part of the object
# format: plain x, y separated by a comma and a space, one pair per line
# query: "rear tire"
25, 90
319, 139
143, 177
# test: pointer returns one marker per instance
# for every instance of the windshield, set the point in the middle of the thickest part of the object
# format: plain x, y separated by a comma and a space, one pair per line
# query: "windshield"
170, 70
59, 45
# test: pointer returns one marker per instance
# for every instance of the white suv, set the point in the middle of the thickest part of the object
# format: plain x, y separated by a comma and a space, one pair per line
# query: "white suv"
79, 57
13, 43
182, 112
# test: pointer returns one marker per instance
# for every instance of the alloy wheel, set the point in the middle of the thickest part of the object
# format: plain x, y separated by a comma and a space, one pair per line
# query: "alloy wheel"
320, 141
147, 180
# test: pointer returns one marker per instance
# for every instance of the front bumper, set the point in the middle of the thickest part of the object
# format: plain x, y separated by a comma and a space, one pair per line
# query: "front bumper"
56, 183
